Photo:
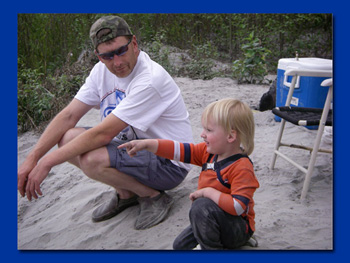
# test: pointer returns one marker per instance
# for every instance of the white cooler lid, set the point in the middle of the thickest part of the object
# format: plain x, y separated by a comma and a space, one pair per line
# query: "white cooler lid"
305, 63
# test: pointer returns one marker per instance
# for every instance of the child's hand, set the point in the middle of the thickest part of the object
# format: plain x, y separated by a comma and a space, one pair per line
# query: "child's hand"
207, 192
197, 194
133, 147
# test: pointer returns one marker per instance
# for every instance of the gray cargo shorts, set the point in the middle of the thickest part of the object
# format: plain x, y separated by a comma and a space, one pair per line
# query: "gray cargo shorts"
147, 168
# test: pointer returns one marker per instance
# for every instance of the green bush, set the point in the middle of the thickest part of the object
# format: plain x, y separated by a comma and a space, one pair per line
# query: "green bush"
50, 44
34, 101
40, 98
158, 51
202, 62
253, 68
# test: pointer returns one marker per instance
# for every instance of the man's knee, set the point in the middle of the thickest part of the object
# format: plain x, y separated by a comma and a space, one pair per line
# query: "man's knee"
92, 163
70, 135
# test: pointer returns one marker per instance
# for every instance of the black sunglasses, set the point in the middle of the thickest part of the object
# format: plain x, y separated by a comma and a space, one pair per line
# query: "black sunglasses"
119, 52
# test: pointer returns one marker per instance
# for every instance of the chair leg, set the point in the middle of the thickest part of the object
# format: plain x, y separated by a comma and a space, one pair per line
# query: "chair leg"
317, 142
312, 162
278, 143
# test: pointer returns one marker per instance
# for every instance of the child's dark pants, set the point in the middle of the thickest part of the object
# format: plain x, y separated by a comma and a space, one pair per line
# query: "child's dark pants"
212, 228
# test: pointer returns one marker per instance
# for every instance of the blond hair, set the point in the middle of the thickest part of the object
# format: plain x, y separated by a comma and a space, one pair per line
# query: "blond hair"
232, 114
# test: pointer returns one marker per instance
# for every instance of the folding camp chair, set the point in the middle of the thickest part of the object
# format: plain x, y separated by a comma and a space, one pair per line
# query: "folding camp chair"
304, 117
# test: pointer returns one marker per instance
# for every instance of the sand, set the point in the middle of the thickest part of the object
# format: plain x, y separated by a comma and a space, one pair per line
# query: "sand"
61, 218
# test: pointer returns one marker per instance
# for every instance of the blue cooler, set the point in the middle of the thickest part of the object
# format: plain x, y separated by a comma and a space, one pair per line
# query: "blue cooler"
308, 91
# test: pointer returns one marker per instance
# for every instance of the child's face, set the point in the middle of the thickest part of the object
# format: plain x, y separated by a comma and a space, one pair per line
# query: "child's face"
215, 137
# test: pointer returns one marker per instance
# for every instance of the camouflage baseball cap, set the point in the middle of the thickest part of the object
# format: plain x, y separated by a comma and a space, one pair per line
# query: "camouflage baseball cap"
107, 28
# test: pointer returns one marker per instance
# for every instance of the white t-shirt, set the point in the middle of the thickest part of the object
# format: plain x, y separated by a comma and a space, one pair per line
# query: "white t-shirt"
148, 100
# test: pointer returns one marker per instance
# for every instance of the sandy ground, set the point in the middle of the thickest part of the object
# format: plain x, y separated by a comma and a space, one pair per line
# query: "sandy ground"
61, 219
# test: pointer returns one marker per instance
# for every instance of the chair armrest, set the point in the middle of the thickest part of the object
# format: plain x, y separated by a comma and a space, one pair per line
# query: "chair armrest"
309, 73
327, 83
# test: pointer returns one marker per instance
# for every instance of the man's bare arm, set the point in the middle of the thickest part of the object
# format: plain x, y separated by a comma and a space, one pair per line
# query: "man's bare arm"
64, 121
92, 139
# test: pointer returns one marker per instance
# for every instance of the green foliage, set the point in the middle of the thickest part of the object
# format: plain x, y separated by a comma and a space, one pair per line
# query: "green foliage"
45, 40
202, 63
50, 44
253, 68
158, 51
40, 98
200, 69
33, 99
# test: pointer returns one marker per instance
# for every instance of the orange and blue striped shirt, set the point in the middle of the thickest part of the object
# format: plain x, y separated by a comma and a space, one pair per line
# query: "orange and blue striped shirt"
236, 179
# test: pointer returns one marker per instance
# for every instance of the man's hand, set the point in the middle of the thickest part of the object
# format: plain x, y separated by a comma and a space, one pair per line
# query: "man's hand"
22, 176
30, 177
64, 121
35, 178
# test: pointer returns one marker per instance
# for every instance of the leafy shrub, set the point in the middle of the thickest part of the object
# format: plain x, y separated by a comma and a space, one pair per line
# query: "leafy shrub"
199, 69
201, 65
34, 101
40, 98
253, 68
158, 51
205, 37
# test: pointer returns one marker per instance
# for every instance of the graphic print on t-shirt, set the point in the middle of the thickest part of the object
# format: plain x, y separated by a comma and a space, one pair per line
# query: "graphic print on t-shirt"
108, 103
